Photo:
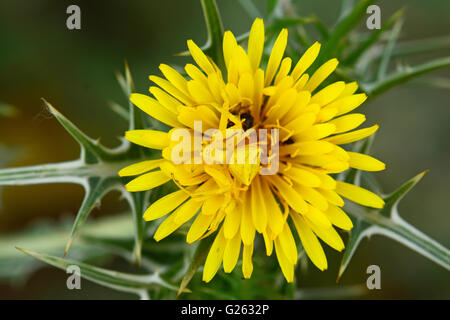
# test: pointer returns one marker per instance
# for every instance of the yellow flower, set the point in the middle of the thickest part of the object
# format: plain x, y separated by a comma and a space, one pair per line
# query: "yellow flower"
236, 201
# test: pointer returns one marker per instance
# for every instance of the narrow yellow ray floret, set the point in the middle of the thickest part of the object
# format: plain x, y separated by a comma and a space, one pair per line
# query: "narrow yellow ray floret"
235, 202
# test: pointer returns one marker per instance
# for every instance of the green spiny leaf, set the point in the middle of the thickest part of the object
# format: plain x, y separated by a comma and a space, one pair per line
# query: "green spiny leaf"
46, 237
344, 26
138, 202
199, 256
137, 284
274, 8
120, 110
408, 73
124, 247
346, 7
91, 152
413, 47
96, 171
95, 189
251, 9
215, 32
373, 38
385, 60
387, 222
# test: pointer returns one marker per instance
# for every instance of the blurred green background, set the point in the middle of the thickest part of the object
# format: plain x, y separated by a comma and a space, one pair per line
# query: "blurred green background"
74, 71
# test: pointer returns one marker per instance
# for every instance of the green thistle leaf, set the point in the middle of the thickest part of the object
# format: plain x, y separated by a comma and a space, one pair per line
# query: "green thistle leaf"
125, 282
199, 257
344, 26
95, 170
46, 237
387, 222
408, 73
215, 32
251, 9
372, 39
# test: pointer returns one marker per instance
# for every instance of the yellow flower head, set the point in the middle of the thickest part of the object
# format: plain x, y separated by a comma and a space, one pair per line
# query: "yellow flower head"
235, 201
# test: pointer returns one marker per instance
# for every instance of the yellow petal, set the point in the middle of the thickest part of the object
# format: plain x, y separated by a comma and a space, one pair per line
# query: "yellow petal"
164, 205
152, 139
231, 253
286, 267
273, 209
316, 132
167, 227
200, 58
170, 89
302, 100
220, 175
300, 84
258, 85
229, 45
287, 243
154, 109
147, 181
214, 258
247, 263
240, 57
199, 92
232, 222
307, 148
199, 227
215, 85
350, 88
268, 243
328, 235
293, 198
310, 242
195, 73
174, 77
306, 60
338, 217
303, 177
246, 86
186, 211
276, 56
364, 162
203, 113
256, 43
285, 67
169, 102
328, 94
312, 196
140, 167
232, 93
321, 74
282, 106
359, 195
326, 114
353, 136
301, 123
212, 205
348, 122
233, 71
318, 217
247, 227
258, 206
327, 182
332, 196
349, 103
